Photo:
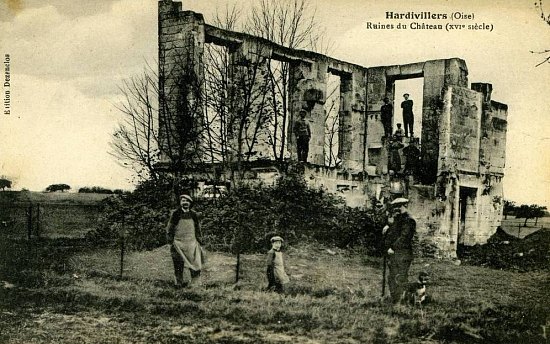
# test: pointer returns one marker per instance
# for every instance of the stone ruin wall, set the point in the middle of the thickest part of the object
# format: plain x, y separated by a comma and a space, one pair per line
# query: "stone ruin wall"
463, 134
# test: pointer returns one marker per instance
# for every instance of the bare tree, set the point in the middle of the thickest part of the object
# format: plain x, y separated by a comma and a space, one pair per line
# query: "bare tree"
217, 80
181, 117
247, 96
185, 117
236, 96
162, 128
332, 123
135, 140
290, 23
249, 101
546, 18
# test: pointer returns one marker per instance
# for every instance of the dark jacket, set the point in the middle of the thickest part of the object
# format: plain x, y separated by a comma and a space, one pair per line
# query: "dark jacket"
407, 106
301, 129
175, 217
386, 112
401, 232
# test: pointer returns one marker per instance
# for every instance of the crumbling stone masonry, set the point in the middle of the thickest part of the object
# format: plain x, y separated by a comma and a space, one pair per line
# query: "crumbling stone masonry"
458, 197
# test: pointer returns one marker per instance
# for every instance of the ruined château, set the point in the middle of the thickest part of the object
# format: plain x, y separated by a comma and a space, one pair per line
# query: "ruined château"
455, 193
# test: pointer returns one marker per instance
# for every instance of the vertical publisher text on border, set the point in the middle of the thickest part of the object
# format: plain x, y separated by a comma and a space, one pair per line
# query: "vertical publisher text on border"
7, 85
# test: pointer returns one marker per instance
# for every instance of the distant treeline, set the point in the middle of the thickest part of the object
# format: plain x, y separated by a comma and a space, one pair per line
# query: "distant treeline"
100, 190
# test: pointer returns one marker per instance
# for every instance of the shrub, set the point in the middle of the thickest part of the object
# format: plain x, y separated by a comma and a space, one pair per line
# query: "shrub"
243, 220
139, 216
96, 189
247, 217
425, 248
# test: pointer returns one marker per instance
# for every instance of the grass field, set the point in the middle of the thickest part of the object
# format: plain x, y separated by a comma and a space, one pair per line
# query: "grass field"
55, 214
50, 197
62, 292
59, 289
514, 226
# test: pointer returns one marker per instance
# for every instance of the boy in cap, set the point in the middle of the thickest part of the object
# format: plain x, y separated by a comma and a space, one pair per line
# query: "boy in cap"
276, 275
183, 233
398, 246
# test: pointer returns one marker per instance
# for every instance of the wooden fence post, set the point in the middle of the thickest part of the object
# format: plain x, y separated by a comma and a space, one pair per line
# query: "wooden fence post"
38, 220
29, 222
238, 267
122, 248
238, 242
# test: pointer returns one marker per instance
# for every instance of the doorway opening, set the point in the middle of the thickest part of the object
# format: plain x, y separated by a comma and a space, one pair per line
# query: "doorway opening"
332, 141
467, 206
415, 88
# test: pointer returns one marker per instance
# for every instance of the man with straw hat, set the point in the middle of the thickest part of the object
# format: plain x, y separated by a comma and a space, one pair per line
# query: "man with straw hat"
398, 247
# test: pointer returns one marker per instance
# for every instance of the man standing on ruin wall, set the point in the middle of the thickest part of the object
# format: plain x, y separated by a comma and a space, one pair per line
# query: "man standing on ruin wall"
303, 134
386, 113
408, 117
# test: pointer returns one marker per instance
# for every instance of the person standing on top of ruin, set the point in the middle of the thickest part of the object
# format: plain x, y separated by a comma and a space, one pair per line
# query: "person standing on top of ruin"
398, 247
394, 158
412, 158
303, 134
183, 233
408, 117
386, 114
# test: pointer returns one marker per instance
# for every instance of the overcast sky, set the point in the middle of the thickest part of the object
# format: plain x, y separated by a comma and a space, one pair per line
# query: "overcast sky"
67, 59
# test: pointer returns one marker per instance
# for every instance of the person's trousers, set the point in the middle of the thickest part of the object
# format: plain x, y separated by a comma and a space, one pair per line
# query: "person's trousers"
387, 127
408, 123
273, 284
302, 145
179, 267
399, 264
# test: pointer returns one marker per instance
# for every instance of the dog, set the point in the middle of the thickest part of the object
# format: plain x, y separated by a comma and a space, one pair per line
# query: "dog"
416, 292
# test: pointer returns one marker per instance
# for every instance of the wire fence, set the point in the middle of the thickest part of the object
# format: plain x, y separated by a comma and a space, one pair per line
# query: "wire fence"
51, 220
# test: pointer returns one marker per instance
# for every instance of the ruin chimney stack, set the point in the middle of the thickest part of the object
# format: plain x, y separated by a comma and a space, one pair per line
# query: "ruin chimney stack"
484, 88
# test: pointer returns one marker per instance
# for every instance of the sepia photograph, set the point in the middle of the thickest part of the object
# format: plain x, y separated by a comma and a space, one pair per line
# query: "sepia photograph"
284, 171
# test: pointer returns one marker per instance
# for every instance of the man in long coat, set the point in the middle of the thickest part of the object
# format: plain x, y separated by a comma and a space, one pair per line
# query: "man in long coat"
398, 246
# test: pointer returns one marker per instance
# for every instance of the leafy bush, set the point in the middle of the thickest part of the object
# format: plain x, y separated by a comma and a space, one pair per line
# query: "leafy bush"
425, 248
140, 217
246, 218
243, 220
99, 190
